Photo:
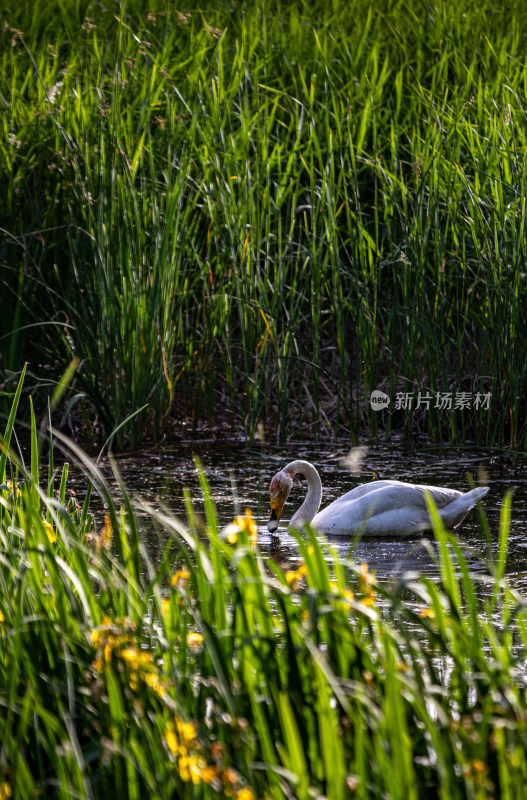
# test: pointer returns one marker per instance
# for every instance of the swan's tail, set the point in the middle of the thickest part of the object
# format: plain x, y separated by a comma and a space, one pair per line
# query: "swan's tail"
456, 511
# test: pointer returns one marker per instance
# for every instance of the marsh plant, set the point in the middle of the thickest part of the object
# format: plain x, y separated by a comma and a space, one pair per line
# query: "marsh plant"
214, 673
270, 209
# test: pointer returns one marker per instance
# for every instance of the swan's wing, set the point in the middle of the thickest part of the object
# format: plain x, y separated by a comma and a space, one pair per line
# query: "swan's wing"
366, 488
395, 499
401, 493
408, 495
439, 494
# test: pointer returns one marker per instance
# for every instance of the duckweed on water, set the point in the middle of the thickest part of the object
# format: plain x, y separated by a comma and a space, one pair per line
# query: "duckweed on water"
216, 674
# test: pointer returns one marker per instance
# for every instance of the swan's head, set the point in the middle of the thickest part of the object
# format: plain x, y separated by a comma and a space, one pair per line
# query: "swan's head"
279, 491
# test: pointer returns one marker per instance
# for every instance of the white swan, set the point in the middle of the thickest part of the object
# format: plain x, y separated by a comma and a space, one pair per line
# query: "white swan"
377, 508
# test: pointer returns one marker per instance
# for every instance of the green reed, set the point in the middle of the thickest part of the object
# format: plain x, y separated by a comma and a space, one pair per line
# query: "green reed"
269, 210
215, 674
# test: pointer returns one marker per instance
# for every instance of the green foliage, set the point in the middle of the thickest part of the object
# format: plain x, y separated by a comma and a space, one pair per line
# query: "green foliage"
276, 208
216, 674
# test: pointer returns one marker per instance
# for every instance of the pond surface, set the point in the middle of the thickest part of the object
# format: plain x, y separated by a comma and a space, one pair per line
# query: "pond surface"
239, 478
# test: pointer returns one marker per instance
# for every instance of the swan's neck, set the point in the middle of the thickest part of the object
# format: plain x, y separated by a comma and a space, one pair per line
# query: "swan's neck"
311, 504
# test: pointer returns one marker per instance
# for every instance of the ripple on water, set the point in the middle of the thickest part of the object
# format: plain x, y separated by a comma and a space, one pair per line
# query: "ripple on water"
239, 478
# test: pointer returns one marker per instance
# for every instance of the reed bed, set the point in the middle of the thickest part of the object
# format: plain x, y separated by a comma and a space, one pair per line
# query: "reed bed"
215, 674
269, 210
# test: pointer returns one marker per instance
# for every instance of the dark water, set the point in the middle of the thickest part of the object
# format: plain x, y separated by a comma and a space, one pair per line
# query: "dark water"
239, 478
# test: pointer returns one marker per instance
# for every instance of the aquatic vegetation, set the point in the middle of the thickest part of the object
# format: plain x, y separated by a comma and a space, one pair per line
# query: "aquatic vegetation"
271, 209
215, 674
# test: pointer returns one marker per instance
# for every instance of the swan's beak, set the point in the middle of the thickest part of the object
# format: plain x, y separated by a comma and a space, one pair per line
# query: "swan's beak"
277, 506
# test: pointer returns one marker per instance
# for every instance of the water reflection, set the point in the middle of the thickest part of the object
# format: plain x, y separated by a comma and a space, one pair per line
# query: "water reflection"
239, 478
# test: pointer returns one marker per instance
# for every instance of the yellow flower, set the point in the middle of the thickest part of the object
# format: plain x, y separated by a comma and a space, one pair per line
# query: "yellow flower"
209, 773
104, 539
242, 524
184, 771
152, 679
2, 618
293, 577
427, 612
172, 740
48, 527
186, 730
180, 578
194, 640
366, 584
131, 656
16, 492
248, 524
231, 533
179, 735
347, 594
369, 601
366, 579
245, 794
189, 769
5, 791
165, 606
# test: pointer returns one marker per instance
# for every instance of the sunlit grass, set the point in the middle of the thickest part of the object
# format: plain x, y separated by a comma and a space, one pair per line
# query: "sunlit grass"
269, 209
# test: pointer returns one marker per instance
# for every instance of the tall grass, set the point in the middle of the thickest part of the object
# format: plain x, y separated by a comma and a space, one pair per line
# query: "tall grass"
270, 210
216, 674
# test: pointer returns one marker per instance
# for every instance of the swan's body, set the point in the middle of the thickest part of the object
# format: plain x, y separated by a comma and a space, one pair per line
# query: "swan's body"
377, 508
